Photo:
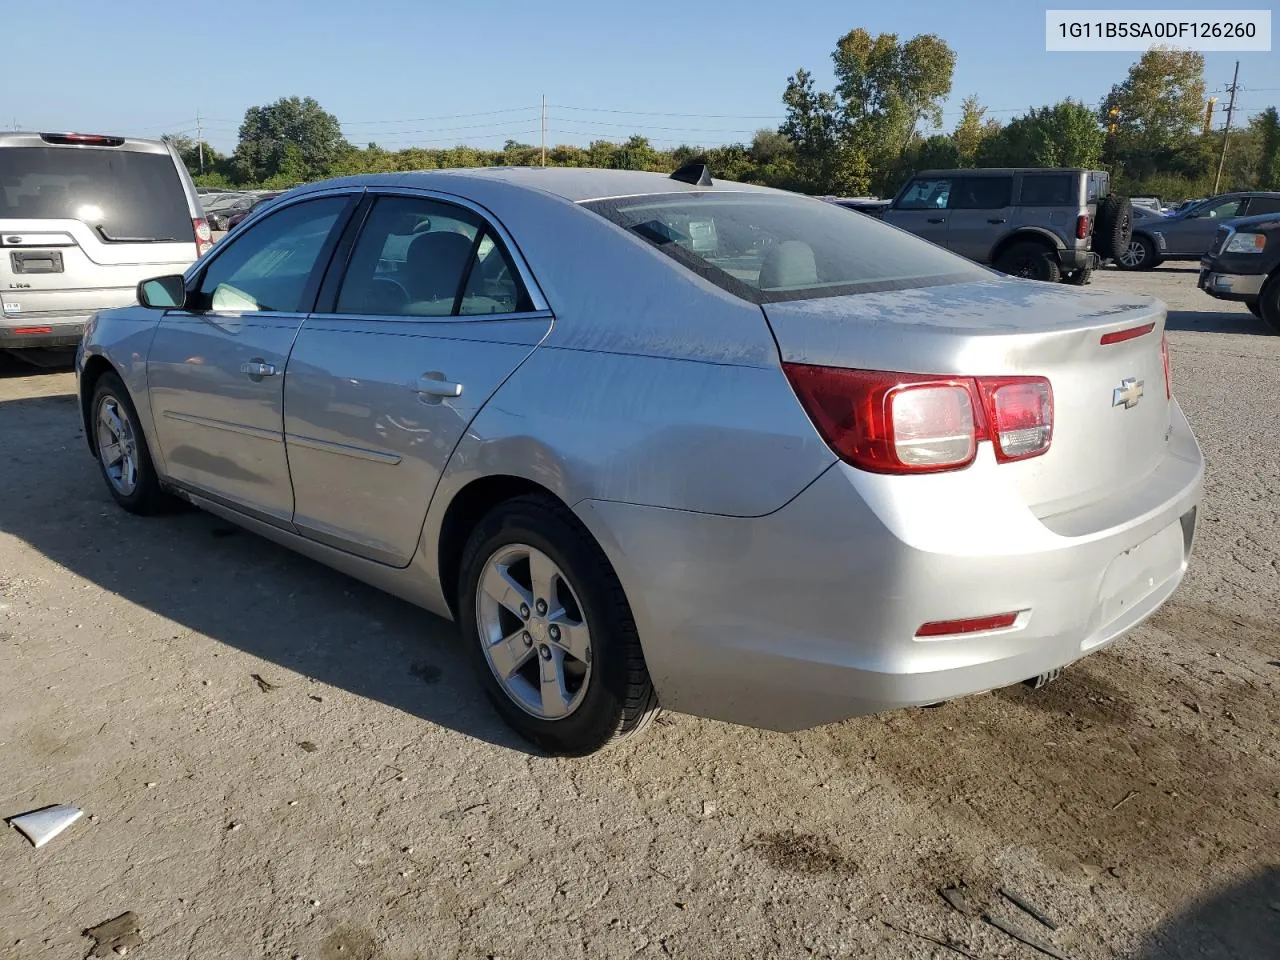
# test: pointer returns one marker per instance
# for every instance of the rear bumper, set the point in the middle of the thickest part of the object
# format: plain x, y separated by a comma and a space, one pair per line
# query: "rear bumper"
18, 332
1229, 286
1078, 259
809, 615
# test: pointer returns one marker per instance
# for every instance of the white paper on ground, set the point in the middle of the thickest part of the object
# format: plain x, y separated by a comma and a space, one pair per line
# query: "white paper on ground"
41, 826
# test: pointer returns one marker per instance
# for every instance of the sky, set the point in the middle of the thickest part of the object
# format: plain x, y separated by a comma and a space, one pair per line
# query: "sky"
426, 73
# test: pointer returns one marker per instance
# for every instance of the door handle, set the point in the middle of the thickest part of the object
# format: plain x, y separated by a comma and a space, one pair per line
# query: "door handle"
937, 219
434, 384
996, 220
257, 368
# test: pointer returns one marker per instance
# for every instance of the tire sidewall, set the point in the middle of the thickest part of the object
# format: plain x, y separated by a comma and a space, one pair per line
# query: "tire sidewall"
1269, 302
598, 716
144, 492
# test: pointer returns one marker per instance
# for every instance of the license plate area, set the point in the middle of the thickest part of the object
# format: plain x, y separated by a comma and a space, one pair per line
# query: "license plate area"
36, 261
1140, 571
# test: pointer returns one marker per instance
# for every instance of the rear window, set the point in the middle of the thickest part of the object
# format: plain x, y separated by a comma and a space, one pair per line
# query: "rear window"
1048, 190
122, 195
769, 248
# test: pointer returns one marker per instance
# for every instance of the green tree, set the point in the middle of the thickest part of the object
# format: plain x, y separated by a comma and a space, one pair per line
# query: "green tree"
825, 159
1064, 135
1156, 112
293, 137
974, 128
1266, 128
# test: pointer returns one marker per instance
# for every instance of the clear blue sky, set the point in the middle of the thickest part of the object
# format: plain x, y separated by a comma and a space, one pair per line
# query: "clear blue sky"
145, 67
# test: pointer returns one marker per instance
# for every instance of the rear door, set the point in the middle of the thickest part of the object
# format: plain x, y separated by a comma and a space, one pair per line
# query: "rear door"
922, 209
81, 225
979, 212
1050, 201
428, 319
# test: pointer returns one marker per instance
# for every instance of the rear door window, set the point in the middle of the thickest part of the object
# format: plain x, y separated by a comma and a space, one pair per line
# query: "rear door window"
1264, 205
925, 195
122, 195
982, 193
1048, 190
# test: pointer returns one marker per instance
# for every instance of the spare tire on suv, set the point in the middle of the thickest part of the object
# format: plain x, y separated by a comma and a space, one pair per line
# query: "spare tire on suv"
1113, 228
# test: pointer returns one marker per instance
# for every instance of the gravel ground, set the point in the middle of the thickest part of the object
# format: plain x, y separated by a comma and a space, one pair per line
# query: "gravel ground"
276, 761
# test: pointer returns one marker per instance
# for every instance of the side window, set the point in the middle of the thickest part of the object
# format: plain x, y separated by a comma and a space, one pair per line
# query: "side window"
423, 258
267, 267
1233, 207
926, 195
982, 193
1264, 205
1048, 190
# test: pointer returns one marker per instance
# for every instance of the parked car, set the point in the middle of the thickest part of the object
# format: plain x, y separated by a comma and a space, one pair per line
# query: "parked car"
1150, 203
1186, 234
83, 218
219, 210
247, 205
1243, 264
1039, 223
871, 206
656, 439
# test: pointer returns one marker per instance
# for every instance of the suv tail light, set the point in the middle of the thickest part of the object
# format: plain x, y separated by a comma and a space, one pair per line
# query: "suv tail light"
204, 237
1164, 358
1083, 223
908, 423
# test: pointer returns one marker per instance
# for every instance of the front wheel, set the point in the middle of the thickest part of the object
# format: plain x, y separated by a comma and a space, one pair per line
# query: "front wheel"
121, 448
1140, 254
1254, 307
1268, 303
549, 631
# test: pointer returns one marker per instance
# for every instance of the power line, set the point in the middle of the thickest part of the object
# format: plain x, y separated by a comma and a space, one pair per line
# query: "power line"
643, 126
658, 113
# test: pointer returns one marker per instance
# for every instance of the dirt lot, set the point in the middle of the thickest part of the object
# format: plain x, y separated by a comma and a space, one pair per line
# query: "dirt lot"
278, 762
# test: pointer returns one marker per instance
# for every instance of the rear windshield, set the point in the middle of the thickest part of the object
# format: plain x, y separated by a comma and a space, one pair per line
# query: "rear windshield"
769, 247
122, 195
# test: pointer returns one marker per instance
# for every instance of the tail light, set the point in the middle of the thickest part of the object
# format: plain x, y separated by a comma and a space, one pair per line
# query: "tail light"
204, 238
86, 139
908, 423
1168, 377
1082, 226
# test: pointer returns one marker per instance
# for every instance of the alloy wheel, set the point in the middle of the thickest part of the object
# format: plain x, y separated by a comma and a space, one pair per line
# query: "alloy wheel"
533, 632
1134, 254
117, 445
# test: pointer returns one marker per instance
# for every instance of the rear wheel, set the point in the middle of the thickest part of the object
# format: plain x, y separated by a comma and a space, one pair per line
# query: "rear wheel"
549, 630
1139, 255
1078, 278
121, 448
1268, 303
1032, 261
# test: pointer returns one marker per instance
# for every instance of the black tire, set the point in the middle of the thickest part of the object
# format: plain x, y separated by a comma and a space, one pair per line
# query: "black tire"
1254, 307
1033, 261
144, 496
1113, 227
1141, 255
1268, 302
1079, 278
619, 700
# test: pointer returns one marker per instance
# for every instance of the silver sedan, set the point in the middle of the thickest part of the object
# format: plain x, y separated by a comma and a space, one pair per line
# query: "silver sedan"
663, 440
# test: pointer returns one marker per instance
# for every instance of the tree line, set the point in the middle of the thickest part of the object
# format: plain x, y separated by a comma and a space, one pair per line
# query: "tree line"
880, 123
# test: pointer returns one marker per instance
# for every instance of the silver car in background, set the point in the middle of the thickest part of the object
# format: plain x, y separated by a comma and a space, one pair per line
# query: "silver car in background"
657, 439
83, 218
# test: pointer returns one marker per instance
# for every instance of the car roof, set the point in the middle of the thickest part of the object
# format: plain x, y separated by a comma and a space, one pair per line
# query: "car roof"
1001, 171
572, 183
134, 144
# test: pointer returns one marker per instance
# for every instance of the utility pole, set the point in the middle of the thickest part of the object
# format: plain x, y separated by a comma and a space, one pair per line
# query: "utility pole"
200, 139
544, 129
1226, 130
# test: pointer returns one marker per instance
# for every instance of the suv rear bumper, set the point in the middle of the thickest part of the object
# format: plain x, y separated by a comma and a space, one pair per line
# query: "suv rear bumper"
17, 333
1078, 260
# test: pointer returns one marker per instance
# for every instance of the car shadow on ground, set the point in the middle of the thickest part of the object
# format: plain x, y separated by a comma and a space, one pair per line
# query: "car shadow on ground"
1240, 921
1214, 321
219, 581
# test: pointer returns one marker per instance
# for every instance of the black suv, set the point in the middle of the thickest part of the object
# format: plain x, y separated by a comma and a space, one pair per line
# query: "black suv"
1243, 264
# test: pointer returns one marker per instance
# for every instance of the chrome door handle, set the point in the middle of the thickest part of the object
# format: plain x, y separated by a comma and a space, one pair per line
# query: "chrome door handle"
258, 369
434, 384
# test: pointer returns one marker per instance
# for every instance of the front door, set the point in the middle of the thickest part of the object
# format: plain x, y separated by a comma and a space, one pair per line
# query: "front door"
429, 319
922, 209
1193, 235
216, 368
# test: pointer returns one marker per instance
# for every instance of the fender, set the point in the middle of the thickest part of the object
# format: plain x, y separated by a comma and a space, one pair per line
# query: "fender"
1029, 233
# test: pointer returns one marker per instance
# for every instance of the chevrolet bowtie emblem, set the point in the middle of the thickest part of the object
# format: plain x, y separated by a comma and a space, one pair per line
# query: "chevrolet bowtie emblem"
1127, 394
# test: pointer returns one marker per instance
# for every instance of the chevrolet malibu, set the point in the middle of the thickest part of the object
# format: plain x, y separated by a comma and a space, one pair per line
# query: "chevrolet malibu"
663, 440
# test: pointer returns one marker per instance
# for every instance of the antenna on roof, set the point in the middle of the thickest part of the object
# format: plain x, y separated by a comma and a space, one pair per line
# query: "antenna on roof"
695, 172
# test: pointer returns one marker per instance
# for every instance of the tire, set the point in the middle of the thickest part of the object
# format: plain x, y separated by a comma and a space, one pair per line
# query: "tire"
1255, 307
1268, 303
597, 689
1079, 278
1033, 261
1140, 255
131, 479
1113, 227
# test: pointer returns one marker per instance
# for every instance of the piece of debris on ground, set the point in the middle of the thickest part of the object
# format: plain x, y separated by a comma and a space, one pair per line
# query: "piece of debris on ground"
265, 686
116, 935
41, 826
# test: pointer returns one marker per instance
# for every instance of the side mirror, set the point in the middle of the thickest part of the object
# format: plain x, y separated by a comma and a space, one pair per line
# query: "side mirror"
163, 293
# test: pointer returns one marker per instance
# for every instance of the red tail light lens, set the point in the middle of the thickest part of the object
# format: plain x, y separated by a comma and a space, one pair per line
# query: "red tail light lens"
1168, 377
946, 628
1020, 415
1082, 226
89, 139
887, 422
204, 237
